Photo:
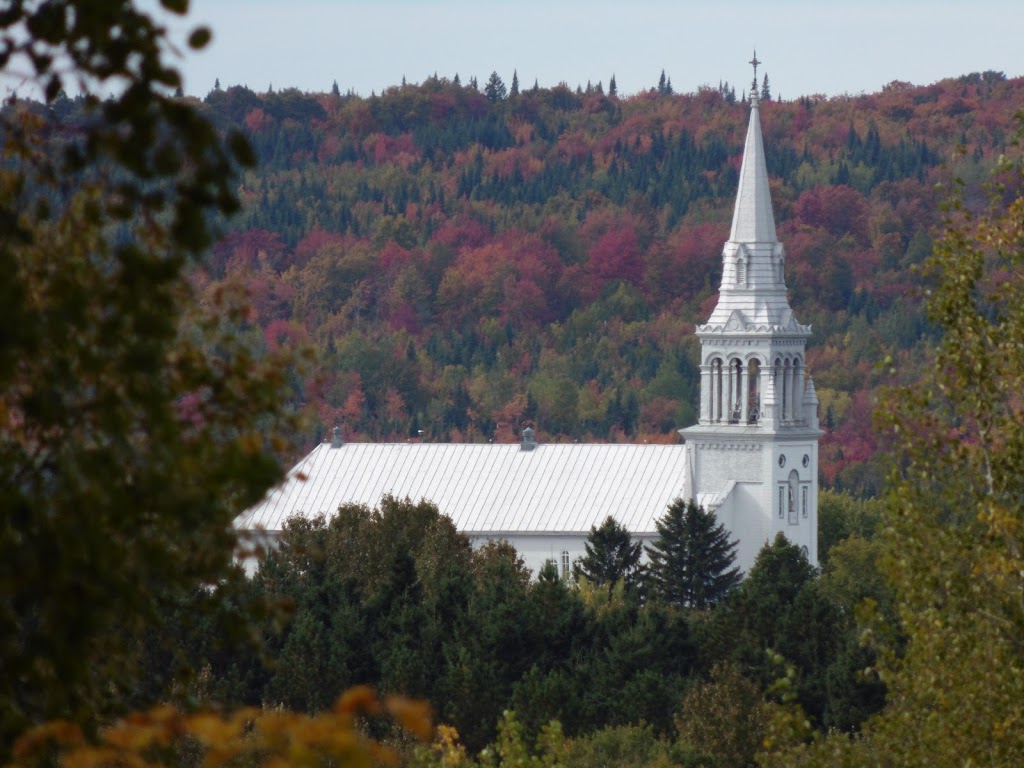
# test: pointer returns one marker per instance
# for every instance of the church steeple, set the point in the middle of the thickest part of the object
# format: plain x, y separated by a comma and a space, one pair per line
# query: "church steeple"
753, 290
753, 455
752, 218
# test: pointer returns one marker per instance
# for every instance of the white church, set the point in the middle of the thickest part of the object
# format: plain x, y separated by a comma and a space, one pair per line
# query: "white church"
752, 458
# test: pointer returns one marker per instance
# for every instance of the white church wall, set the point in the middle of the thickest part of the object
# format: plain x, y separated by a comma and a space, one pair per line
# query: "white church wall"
744, 508
723, 461
537, 549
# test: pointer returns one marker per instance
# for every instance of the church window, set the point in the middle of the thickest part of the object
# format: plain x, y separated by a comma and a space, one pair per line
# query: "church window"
803, 500
782, 501
741, 271
782, 277
791, 490
806, 460
782, 460
753, 394
565, 564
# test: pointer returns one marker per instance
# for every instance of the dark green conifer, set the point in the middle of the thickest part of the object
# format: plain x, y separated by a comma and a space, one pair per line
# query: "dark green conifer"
692, 559
495, 88
611, 556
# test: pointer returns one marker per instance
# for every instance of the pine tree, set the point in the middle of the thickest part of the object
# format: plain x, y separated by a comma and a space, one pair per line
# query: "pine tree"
514, 90
661, 82
611, 556
692, 559
613, 89
766, 91
335, 91
455, 80
495, 88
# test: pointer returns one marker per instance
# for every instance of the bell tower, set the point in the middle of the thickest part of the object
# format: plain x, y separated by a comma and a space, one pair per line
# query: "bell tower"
753, 456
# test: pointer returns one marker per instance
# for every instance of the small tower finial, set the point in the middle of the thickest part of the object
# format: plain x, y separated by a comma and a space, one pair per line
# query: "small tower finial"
753, 85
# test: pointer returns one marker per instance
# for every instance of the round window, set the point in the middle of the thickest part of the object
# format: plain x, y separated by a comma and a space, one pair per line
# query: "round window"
806, 460
782, 461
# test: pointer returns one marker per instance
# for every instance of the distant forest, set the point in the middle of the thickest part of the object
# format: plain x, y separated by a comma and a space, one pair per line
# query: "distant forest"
466, 261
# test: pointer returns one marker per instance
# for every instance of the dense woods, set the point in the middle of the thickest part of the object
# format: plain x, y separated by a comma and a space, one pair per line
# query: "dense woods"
466, 264
462, 262
396, 598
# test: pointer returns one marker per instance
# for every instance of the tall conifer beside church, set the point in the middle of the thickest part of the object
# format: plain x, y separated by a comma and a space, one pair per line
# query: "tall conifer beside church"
752, 458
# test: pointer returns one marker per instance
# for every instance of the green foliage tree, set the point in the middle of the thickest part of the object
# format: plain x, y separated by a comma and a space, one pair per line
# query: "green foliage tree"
952, 533
691, 561
514, 88
611, 556
133, 425
495, 89
724, 718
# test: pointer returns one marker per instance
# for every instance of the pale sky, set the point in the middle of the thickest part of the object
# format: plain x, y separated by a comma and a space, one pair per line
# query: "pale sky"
806, 46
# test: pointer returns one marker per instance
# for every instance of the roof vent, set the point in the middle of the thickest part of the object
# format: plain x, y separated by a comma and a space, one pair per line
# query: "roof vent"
528, 443
336, 441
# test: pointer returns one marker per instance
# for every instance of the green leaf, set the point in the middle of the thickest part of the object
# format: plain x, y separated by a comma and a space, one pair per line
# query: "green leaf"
199, 38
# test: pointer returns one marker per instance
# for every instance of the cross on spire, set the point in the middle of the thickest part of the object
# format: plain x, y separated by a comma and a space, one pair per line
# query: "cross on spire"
753, 86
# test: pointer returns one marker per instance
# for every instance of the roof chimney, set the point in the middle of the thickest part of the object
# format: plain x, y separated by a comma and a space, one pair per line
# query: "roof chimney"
528, 443
336, 441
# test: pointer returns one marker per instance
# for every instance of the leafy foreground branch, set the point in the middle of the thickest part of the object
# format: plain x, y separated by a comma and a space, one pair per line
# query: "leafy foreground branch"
953, 531
250, 737
135, 423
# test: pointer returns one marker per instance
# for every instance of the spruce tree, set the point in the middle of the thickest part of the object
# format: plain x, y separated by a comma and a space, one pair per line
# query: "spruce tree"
766, 91
514, 90
495, 88
661, 82
611, 556
691, 562
613, 89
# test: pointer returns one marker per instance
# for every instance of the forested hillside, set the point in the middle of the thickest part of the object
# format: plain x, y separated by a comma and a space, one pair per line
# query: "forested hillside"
468, 261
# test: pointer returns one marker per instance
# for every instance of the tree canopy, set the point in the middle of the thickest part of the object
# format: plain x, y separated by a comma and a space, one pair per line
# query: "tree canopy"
134, 423
691, 561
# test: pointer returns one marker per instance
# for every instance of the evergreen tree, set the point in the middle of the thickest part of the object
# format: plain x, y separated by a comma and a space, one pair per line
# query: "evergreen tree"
216, 84
335, 91
495, 88
611, 556
692, 558
766, 91
661, 82
613, 89
514, 90
455, 80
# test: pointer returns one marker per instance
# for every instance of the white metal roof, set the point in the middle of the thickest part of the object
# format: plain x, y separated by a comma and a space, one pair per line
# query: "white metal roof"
486, 488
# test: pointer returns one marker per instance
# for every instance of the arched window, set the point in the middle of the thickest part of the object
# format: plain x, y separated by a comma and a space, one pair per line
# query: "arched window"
753, 391
782, 275
792, 489
735, 389
565, 564
741, 270
716, 389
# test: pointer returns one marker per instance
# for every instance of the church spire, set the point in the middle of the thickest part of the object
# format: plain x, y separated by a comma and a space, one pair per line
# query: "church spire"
752, 218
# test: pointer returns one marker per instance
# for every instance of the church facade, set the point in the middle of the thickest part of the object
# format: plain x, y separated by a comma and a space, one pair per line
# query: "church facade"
752, 458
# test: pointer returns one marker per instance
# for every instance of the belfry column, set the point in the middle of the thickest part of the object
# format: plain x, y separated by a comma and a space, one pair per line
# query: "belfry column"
705, 394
